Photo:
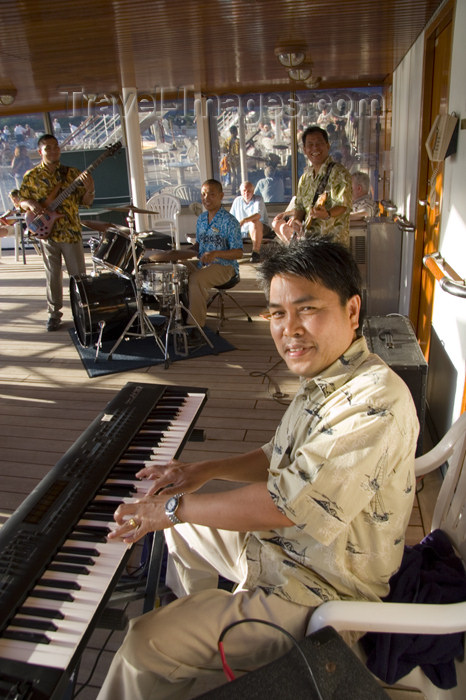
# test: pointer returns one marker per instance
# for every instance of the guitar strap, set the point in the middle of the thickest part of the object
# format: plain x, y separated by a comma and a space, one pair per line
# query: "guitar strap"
63, 172
323, 183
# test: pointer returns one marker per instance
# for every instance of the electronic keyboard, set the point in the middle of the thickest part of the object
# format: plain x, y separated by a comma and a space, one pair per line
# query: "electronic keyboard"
57, 568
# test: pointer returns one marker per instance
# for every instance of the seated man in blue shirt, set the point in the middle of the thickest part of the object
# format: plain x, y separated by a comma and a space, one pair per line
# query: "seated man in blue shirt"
249, 209
218, 247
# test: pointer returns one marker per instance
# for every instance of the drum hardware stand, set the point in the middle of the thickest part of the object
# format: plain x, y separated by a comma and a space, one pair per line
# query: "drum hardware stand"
180, 336
145, 326
93, 245
98, 345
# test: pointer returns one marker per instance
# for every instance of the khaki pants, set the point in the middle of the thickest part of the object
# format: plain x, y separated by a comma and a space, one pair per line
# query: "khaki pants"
52, 253
166, 650
201, 281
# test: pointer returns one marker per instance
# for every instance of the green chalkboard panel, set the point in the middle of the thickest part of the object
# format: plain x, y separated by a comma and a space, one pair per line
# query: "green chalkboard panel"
110, 177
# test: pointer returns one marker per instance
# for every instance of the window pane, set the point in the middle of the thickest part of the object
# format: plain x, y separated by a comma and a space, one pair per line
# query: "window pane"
18, 151
252, 142
84, 134
255, 132
354, 121
88, 127
170, 148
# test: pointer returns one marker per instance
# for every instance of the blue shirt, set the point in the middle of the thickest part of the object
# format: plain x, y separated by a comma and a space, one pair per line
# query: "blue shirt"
271, 189
242, 210
222, 233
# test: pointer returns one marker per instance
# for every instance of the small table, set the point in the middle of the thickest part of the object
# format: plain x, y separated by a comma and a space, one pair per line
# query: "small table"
281, 148
180, 168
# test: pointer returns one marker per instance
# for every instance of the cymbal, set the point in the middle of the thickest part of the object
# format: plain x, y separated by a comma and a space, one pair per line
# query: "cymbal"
161, 255
144, 234
104, 226
121, 229
133, 208
96, 225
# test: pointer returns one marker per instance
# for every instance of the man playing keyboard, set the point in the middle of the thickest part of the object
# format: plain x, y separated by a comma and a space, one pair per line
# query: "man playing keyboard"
324, 510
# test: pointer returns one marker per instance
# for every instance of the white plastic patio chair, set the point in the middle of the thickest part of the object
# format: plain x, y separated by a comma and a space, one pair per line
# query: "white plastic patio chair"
449, 516
166, 209
187, 194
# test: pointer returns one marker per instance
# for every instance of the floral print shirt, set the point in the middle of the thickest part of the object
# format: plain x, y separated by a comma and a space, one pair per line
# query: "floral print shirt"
222, 233
339, 192
39, 182
342, 469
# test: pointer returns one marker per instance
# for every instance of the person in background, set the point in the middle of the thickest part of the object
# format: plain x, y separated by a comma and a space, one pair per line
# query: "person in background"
40, 186
20, 164
8, 218
57, 130
231, 148
249, 209
325, 118
319, 513
270, 187
19, 132
324, 197
364, 206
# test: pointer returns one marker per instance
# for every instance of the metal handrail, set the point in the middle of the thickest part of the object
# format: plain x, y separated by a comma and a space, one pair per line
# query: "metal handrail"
456, 286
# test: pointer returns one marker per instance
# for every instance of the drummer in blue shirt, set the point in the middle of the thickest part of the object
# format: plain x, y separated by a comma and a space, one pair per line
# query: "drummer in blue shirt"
218, 248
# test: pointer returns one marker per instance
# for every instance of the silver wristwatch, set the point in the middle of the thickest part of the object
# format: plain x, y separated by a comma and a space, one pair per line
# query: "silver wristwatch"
171, 507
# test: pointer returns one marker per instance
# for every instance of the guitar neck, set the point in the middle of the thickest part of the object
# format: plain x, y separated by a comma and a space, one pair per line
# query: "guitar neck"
64, 194
77, 181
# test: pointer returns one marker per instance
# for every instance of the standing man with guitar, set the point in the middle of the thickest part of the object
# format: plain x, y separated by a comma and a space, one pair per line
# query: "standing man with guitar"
324, 197
60, 231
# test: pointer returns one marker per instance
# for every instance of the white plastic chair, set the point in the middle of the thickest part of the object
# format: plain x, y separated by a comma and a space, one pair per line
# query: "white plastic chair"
166, 209
449, 516
187, 194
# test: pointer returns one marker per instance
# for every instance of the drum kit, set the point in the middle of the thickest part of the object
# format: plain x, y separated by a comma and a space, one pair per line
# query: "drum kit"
127, 278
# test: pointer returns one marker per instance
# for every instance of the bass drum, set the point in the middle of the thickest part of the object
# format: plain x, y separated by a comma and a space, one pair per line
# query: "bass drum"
106, 299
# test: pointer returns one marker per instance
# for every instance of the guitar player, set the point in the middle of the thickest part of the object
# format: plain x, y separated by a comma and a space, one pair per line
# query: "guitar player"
40, 186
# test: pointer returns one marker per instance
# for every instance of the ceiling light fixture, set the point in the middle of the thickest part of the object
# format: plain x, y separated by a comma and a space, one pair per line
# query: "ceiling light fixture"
313, 82
7, 96
302, 73
291, 56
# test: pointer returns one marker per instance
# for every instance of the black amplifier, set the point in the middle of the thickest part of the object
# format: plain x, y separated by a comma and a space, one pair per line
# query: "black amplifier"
322, 666
392, 337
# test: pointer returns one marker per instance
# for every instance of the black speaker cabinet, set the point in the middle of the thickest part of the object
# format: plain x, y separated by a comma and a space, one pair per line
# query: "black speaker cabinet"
393, 339
336, 670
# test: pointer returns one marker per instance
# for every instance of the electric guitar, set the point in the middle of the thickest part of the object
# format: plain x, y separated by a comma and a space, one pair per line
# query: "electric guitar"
41, 225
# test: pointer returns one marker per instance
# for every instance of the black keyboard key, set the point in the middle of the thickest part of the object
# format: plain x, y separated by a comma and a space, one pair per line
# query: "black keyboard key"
45, 625
67, 585
41, 612
52, 595
32, 637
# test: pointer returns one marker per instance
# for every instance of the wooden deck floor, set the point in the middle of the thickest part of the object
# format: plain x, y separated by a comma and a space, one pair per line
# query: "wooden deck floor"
47, 398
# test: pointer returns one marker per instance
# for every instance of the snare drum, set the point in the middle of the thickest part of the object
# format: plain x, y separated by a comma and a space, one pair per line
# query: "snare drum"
114, 252
158, 279
107, 299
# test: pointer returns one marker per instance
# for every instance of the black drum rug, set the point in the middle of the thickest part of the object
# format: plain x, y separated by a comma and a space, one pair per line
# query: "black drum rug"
136, 353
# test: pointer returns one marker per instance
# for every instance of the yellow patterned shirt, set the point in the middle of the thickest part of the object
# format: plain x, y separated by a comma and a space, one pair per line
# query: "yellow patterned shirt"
342, 469
39, 182
339, 193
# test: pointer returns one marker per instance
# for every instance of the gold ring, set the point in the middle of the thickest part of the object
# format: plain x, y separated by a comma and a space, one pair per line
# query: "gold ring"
134, 524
